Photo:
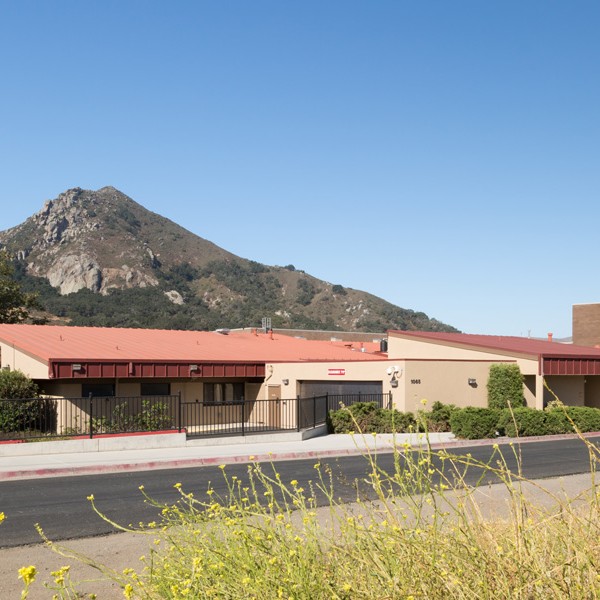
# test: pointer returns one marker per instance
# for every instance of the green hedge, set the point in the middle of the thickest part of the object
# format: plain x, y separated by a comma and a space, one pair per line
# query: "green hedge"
585, 418
438, 418
524, 422
505, 386
37, 414
367, 417
470, 423
20, 408
474, 423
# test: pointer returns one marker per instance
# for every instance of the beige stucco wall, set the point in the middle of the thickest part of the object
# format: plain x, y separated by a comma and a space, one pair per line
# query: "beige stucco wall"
419, 349
592, 391
529, 390
444, 381
569, 389
19, 361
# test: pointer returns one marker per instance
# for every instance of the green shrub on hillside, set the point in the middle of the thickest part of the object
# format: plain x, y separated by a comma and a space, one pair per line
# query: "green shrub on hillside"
505, 386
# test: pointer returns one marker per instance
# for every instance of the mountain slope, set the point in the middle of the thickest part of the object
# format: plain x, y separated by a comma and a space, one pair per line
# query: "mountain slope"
99, 258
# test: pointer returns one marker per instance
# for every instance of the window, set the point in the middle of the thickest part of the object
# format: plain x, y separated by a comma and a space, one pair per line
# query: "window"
155, 389
218, 393
97, 389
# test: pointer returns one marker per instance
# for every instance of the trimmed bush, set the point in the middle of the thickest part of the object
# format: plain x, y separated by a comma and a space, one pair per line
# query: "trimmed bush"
523, 422
474, 423
438, 418
367, 417
505, 386
557, 422
585, 418
469, 423
20, 407
15, 384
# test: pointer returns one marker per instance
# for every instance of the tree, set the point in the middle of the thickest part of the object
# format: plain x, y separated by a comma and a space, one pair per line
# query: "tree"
505, 386
14, 303
19, 409
15, 384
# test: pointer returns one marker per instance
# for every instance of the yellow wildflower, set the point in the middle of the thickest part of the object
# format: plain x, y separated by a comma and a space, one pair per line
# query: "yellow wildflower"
27, 574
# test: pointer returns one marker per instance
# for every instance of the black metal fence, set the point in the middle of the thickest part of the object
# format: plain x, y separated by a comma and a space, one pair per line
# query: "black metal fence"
239, 418
77, 417
262, 416
33, 418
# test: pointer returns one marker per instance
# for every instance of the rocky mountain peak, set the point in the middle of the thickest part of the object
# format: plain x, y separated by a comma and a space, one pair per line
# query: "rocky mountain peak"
153, 272
70, 242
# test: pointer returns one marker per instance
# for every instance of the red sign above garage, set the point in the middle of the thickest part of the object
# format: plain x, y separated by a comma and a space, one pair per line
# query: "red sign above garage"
336, 371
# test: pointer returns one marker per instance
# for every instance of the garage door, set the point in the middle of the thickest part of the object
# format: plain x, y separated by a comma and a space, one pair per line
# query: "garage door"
320, 388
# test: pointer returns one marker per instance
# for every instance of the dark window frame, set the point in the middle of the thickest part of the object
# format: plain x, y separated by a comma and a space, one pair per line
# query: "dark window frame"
87, 388
158, 390
215, 393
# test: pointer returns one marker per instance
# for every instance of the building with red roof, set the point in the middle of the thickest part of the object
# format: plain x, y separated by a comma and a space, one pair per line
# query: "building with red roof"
76, 361
213, 368
454, 367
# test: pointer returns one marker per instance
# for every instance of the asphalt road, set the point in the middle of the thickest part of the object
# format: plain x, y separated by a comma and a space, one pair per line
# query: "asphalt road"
61, 507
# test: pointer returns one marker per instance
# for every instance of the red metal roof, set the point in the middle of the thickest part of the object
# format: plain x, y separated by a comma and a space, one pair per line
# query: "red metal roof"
80, 344
513, 344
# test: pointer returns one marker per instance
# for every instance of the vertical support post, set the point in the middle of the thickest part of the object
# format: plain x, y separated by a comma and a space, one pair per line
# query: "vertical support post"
91, 419
244, 416
298, 413
179, 411
314, 411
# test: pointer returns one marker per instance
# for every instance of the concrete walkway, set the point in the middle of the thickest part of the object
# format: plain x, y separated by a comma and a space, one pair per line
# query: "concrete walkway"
53, 459
146, 452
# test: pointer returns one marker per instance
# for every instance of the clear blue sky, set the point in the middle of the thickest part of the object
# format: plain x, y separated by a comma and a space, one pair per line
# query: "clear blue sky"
442, 155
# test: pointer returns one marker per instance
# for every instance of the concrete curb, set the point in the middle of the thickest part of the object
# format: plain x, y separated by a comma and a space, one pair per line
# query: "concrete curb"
143, 465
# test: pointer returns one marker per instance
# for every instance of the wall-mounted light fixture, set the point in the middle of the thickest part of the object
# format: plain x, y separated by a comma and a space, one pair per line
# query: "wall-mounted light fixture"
76, 367
285, 381
193, 368
472, 382
395, 372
